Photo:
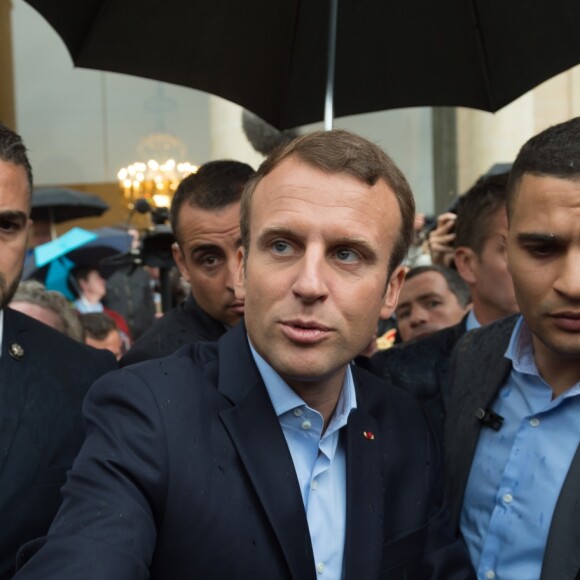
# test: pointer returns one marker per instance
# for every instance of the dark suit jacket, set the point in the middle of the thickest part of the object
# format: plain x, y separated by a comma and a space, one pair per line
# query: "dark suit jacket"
478, 371
184, 324
185, 473
421, 367
42, 386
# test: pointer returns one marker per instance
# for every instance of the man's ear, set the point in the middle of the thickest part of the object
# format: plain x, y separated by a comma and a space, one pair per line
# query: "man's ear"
180, 261
466, 264
240, 281
392, 293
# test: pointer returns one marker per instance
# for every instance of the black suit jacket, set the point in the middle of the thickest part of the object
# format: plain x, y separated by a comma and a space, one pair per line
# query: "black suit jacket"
185, 473
44, 376
478, 371
184, 324
421, 367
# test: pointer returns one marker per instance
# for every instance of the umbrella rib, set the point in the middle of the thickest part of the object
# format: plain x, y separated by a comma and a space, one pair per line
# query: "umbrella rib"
285, 105
483, 55
330, 66
90, 32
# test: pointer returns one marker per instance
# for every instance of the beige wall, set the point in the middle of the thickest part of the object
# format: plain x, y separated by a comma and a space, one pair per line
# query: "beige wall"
486, 138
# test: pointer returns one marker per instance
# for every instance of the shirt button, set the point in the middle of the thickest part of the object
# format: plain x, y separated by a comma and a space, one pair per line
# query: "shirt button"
320, 568
534, 422
297, 412
314, 484
306, 424
490, 575
508, 498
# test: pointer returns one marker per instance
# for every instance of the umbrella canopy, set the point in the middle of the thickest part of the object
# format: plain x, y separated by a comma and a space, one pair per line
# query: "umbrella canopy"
271, 56
56, 205
51, 263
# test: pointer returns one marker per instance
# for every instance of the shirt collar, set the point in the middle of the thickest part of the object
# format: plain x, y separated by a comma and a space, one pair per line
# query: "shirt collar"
520, 349
471, 323
284, 398
84, 306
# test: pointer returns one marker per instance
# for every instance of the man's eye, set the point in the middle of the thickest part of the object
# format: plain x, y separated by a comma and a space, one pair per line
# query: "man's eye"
209, 260
9, 226
433, 303
347, 255
402, 314
541, 251
281, 247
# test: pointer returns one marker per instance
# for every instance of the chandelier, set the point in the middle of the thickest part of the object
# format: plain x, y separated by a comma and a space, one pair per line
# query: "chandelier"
156, 179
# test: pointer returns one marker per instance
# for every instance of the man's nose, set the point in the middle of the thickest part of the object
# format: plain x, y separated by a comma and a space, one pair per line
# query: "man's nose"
568, 280
418, 316
310, 282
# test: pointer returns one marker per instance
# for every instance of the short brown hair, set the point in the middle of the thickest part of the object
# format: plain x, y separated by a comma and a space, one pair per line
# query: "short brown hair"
215, 185
340, 151
455, 283
97, 325
554, 152
477, 208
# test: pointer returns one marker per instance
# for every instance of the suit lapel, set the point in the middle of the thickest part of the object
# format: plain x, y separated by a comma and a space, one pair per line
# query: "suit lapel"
365, 496
479, 369
562, 557
257, 435
13, 383
452, 336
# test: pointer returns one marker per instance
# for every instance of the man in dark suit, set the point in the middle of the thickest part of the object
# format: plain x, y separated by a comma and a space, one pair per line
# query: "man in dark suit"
422, 366
267, 455
205, 218
44, 376
512, 433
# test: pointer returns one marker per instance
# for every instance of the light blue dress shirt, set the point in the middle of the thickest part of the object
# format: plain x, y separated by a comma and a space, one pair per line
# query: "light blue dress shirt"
518, 471
85, 307
471, 323
320, 464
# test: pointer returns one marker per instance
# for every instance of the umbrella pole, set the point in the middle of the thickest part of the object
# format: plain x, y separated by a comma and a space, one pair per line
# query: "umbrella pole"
52, 224
329, 100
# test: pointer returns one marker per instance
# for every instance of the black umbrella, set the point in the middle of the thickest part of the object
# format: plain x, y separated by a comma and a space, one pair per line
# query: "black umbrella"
57, 204
271, 56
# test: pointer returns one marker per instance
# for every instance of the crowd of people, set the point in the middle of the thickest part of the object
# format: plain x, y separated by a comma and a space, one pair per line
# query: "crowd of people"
344, 392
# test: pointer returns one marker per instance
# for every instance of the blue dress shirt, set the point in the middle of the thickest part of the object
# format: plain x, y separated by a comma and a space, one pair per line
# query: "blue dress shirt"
85, 307
471, 323
320, 463
518, 471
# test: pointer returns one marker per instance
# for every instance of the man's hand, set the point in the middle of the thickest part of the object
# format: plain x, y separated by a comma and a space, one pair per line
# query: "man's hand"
440, 240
